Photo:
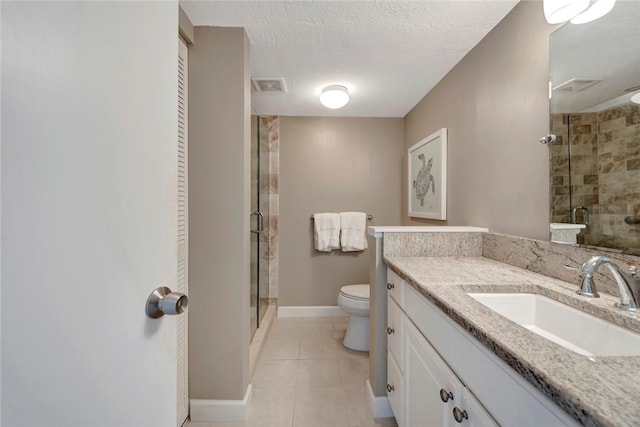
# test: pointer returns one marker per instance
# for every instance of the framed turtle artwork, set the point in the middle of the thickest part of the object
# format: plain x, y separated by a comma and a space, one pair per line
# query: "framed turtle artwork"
428, 177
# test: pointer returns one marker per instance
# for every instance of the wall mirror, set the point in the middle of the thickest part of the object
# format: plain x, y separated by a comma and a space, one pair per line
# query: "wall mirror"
595, 114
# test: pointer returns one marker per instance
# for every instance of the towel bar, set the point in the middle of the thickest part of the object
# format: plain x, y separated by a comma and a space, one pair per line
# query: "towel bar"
631, 220
369, 217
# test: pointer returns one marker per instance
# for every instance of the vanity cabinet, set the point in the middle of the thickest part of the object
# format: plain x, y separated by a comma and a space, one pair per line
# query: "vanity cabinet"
395, 349
421, 388
433, 365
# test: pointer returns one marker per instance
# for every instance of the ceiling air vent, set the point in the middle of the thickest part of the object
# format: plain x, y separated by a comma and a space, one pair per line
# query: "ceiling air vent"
264, 84
576, 85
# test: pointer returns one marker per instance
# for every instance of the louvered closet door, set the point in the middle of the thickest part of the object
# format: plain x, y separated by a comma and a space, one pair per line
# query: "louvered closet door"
183, 234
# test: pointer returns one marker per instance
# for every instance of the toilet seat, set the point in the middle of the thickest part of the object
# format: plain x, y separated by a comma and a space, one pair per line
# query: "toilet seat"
355, 292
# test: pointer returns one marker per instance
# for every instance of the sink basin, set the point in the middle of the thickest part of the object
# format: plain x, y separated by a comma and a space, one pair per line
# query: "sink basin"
571, 328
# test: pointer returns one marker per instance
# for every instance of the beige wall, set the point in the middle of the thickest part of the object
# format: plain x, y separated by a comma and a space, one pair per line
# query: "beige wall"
332, 165
495, 105
219, 166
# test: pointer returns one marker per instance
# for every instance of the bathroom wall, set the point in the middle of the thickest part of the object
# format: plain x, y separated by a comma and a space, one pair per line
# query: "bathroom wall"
495, 104
332, 165
219, 207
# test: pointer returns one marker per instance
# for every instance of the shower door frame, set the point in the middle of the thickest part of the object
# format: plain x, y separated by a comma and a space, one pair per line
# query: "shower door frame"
258, 232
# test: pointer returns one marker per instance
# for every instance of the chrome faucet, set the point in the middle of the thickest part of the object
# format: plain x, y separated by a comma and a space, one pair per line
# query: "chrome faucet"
628, 283
585, 215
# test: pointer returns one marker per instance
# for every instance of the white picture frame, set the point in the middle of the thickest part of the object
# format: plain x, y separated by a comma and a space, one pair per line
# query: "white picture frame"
427, 174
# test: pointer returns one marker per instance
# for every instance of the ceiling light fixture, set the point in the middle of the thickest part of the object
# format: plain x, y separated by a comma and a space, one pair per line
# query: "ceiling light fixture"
557, 11
578, 11
334, 96
598, 9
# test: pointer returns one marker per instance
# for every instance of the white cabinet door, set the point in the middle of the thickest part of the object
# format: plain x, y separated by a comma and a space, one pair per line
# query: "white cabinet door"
395, 389
429, 382
470, 412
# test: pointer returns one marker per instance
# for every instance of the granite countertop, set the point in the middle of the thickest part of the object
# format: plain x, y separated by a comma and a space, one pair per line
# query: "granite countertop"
379, 230
596, 391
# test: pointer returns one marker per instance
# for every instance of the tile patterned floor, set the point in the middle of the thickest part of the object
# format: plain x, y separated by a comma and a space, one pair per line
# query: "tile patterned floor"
307, 378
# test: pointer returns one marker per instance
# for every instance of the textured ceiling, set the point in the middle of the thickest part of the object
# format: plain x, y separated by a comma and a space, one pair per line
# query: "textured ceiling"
606, 49
389, 54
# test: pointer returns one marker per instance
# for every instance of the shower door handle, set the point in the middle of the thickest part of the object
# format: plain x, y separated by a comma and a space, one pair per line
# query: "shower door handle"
257, 229
260, 224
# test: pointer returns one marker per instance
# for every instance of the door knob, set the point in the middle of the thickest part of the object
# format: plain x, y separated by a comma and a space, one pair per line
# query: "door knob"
162, 301
547, 139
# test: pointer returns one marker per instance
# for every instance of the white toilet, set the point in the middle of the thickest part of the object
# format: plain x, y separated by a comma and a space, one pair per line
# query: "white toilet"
354, 300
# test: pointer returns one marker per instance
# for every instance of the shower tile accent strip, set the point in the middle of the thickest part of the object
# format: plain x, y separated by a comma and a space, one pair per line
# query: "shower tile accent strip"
270, 193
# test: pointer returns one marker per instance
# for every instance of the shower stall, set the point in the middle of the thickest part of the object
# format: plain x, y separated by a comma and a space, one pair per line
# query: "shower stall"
259, 223
595, 166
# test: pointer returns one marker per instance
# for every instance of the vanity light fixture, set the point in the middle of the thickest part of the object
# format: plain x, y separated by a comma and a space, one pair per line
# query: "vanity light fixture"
557, 11
578, 11
598, 9
334, 96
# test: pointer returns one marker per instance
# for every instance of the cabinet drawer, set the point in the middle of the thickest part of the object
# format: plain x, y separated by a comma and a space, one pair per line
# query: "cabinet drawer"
395, 287
395, 332
395, 388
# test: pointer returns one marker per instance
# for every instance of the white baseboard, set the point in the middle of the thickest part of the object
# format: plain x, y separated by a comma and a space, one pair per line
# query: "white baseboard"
380, 407
311, 311
220, 410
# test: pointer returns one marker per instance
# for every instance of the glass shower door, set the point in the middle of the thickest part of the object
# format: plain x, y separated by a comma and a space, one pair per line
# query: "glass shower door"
259, 293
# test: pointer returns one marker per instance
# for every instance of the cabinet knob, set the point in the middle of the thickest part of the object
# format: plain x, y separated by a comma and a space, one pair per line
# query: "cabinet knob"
390, 388
460, 415
390, 286
390, 330
445, 395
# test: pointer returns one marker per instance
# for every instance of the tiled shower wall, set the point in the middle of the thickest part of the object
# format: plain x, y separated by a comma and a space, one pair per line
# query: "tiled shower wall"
605, 178
579, 131
270, 198
559, 167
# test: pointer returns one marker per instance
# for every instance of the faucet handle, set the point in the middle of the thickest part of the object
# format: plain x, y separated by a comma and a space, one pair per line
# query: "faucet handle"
572, 267
633, 271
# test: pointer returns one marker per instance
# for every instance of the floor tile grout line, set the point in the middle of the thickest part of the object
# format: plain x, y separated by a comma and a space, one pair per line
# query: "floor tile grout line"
338, 364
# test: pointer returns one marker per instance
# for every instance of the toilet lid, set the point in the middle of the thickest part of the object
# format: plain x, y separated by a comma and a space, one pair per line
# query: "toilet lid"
359, 292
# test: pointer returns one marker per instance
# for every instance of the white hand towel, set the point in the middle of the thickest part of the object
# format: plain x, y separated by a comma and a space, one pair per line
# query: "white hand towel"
326, 231
353, 237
